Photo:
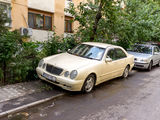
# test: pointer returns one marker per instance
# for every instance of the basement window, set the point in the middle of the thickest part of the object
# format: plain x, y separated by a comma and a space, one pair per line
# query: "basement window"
39, 21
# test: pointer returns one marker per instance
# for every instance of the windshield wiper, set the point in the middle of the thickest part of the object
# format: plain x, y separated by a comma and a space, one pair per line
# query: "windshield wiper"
87, 57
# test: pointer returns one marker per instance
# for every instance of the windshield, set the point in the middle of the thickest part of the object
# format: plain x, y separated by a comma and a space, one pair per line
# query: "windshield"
88, 51
142, 49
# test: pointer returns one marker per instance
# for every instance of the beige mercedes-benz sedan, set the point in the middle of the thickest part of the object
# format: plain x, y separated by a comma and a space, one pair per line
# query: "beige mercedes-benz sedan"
85, 66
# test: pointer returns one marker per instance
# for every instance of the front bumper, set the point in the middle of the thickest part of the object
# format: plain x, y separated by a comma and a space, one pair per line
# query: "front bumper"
61, 81
141, 65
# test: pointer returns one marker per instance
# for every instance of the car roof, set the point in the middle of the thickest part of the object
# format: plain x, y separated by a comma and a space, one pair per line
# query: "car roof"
98, 44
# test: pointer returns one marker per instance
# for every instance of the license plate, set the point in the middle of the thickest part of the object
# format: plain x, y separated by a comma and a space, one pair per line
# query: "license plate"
49, 77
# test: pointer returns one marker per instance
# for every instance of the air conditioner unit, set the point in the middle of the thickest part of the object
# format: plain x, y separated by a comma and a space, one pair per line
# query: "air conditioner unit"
26, 31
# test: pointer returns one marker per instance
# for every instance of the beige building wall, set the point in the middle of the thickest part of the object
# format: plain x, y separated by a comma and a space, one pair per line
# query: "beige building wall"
43, 5
76, 3
59, 17
19, 13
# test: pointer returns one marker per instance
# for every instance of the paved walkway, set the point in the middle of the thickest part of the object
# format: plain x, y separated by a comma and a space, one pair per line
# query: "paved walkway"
9, 92
20, 96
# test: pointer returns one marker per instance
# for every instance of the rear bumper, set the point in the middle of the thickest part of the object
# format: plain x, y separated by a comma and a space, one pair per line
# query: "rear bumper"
61, 81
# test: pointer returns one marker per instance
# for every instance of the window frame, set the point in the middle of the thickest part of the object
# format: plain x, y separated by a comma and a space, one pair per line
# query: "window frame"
68, 20
43, 14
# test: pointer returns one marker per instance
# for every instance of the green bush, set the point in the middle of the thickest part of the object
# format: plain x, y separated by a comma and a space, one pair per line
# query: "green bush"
18, 60
57, 45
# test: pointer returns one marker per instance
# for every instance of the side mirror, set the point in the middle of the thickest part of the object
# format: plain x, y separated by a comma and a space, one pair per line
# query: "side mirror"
108, 60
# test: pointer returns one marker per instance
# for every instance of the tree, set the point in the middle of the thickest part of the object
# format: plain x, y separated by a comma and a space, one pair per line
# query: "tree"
139, 22
96, 19
102, 20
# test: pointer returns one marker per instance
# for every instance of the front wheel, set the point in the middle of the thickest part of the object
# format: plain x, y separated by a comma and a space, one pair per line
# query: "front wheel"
158, 64
150, 66
88, 84
126, 72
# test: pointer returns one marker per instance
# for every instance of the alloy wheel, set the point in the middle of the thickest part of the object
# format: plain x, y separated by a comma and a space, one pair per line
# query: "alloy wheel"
126, 72
89, 84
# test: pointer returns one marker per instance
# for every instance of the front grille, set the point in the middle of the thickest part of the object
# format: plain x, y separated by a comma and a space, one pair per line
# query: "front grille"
53, 70
139, 65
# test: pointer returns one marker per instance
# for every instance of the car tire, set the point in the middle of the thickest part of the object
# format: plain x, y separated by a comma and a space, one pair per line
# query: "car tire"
89, 84
150, 66
126, 72
158, 64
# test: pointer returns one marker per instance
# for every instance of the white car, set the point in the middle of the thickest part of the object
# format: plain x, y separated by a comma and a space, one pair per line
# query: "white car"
85, 66
146, 56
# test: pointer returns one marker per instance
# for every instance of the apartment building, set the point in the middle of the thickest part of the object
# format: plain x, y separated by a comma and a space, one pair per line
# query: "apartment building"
41, 16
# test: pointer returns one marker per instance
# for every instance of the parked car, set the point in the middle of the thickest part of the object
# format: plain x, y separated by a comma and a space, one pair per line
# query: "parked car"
156, 44
145, 55
85, 66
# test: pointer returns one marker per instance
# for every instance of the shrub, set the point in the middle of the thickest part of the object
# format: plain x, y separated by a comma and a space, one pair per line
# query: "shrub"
18, 60
56, 44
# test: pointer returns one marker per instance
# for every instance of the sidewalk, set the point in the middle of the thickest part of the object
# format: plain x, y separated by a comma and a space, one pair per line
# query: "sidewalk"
14, 98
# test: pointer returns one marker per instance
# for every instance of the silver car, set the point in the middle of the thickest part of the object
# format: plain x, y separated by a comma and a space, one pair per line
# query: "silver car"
145, 56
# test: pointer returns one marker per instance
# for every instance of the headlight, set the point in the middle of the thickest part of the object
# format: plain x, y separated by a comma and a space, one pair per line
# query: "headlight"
73, 74
144, 60
66, 74
44, 65
40, 63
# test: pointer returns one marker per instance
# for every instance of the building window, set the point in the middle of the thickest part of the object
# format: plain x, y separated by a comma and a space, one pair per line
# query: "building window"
39, 21
68, 25
7, 9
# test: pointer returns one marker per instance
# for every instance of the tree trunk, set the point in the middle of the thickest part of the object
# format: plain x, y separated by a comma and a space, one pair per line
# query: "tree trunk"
98, 17
4, 72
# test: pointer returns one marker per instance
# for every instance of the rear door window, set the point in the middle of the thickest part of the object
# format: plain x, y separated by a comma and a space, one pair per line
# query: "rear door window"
119, 54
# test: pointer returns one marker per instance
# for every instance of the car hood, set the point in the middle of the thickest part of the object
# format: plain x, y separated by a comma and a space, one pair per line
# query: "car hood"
68, 61
139, 55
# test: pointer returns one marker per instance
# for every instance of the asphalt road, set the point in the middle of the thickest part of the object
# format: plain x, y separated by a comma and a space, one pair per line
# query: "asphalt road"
134, 98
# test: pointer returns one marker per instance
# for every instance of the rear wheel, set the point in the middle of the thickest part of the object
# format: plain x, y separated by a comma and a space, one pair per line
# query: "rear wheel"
150, 66
126, 72
89, 84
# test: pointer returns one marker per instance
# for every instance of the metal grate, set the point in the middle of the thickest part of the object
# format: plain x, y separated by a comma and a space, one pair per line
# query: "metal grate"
53, 70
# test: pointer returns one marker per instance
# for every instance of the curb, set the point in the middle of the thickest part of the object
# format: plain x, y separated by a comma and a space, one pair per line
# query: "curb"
18, 109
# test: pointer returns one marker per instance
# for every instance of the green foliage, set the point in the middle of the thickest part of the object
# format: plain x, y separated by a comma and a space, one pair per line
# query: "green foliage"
96, 18
139, 22
18, 60
3, 19
56, 44
52, 45
25, 62
8, 45
46, 87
